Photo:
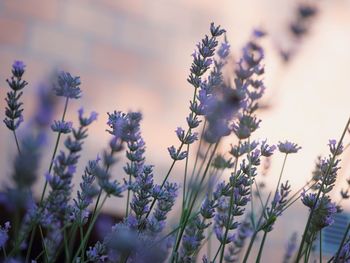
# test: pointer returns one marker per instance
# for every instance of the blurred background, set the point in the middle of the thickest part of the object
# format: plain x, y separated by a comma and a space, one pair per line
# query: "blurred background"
135, 55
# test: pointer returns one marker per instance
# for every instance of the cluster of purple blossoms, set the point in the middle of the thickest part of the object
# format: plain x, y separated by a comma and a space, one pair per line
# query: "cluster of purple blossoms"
324, 211
278, 205
288, 147
24, 174
79, 211
14, 108
136, 146
249, 87
244, 231
4, 233
202, 60
344, 252
165, 202
290, 249
229, 208
68, 86
62, 126
125, 244
191, 240
60, 182
46, 106
142, 189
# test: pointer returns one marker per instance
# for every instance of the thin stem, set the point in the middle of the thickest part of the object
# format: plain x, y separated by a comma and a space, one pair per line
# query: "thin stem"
82, 238
185, 179
43, 243
261, 247
4, 251
199, 149
55, 150
30, 245
308, 250
342, 243
320, 190
88, 232
174, 161
176, 247
66, 249
247, 253
17, 144
190, 195
227, 227
128, 199
217, 252
321, 246
280, 177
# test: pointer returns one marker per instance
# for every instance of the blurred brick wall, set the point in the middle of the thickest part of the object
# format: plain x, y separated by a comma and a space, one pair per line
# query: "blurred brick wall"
129, 54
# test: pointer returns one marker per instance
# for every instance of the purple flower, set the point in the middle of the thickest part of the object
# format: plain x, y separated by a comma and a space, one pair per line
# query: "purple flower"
86, 121
333, 147
18, 68
267, 150
175, 155
68, 86
288, 147
224, 50
62, 126
14, 108
259, 33
4, 233
291, 247
187, 138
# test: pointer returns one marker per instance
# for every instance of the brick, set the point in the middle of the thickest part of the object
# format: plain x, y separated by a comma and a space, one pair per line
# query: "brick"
59, 45
91, 19
37, 9
108, 58
12, 31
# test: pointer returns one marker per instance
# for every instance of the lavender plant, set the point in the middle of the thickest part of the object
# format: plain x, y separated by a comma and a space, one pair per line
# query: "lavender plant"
226, 214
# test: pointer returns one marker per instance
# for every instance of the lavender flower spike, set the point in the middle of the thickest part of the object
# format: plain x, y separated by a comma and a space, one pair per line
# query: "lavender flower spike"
86, 121
62, 126
18, 68
68, 86
4, 234
288, 147
14, 109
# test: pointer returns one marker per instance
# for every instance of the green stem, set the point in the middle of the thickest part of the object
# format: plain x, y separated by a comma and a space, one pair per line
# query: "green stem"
217, 252
195, 181
81, 238
174, 161
17, 144
88, 232
199, 149
66, 249
178, 240
280, 177
128, 199
227, 227
261, 247
43, 243
4, 251
55, 150
320, 190
252, 239
185, 179
321, 246
30, 245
